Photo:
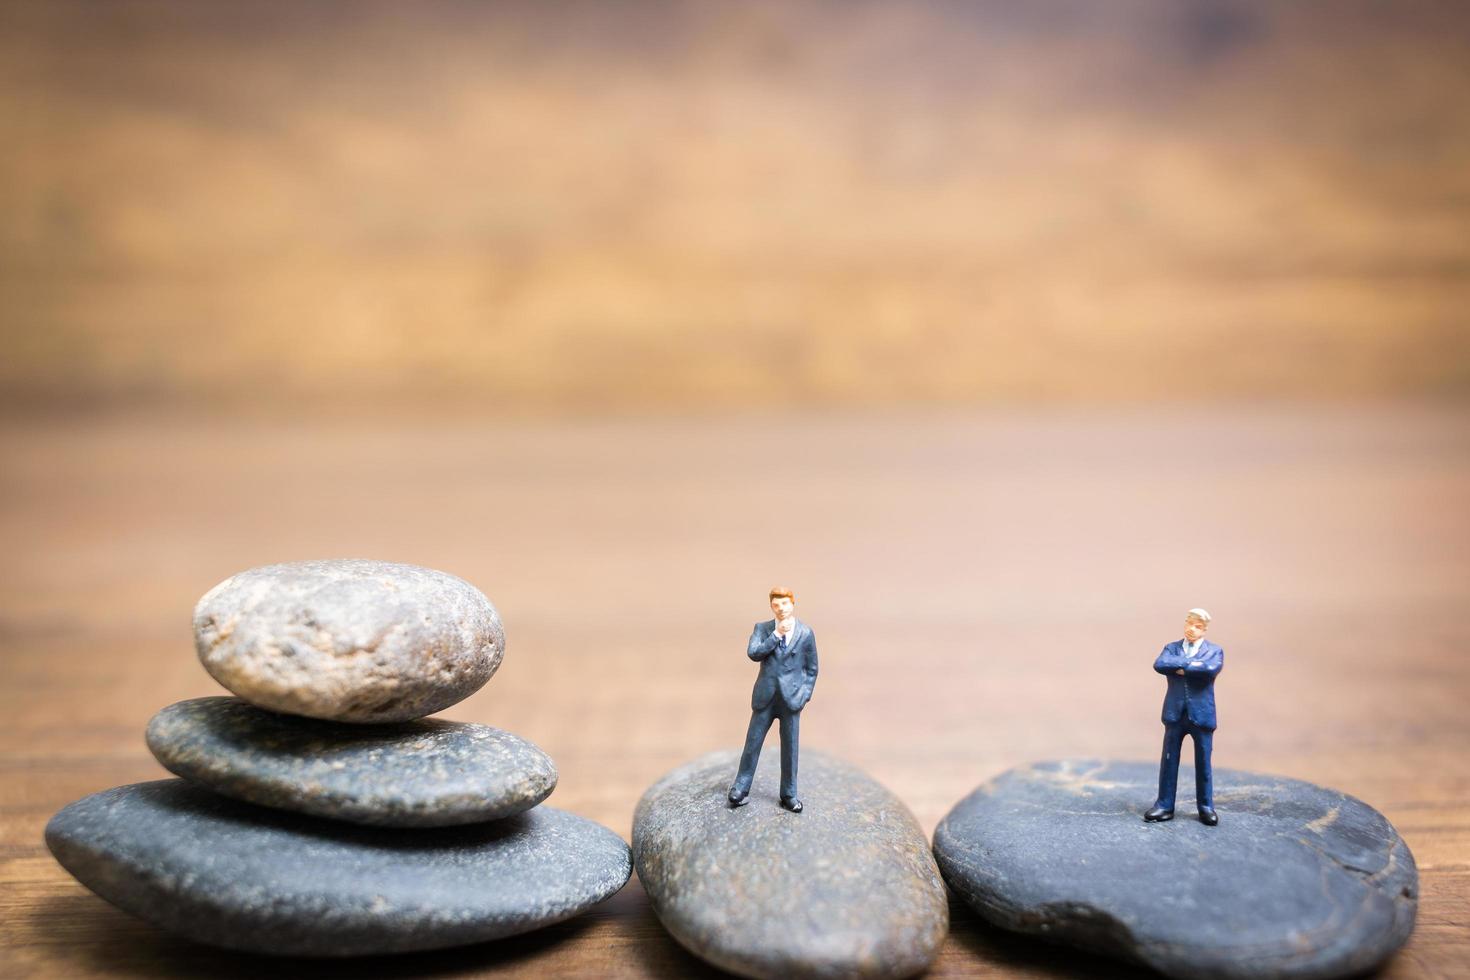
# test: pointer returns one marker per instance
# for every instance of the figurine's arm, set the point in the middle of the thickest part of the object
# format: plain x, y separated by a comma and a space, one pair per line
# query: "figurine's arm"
1207, 666
809, 667
761, 647
1167, 664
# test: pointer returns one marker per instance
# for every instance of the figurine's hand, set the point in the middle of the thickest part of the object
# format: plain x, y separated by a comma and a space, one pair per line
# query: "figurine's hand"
1180, 671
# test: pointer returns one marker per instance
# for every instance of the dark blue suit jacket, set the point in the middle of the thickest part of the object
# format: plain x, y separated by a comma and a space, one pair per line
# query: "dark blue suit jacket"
1192, 696
792, 672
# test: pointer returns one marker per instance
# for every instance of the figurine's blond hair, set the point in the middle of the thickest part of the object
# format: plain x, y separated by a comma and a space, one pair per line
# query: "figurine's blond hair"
1198, 614
779, 593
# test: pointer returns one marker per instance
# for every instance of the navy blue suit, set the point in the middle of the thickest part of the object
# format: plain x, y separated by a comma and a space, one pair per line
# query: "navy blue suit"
782, 688
1189, 709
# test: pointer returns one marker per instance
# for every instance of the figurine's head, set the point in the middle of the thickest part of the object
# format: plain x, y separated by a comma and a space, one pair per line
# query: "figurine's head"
1196, 621
783, 602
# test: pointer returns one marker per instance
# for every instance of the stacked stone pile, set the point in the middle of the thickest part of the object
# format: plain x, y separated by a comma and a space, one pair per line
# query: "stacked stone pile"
320, 811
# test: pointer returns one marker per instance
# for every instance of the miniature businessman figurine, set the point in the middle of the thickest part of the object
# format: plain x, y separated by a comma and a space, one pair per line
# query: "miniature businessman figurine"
1190, 665
787, 652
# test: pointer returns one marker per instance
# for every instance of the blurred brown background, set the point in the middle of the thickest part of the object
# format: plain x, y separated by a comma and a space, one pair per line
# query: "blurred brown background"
1003, 333
580, 205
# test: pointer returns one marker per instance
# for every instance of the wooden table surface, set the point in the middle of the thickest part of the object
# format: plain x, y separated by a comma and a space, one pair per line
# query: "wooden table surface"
988, 588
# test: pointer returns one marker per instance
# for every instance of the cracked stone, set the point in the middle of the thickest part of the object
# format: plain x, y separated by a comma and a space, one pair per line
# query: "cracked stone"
1296, 881
349, 640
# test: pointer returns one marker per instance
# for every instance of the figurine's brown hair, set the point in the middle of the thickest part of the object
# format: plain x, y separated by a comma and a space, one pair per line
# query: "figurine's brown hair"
780, 593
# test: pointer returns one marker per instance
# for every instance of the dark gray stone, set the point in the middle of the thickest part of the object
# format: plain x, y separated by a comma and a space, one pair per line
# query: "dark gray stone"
348, 640
847, 888
426, 773
245, 877
1296, 881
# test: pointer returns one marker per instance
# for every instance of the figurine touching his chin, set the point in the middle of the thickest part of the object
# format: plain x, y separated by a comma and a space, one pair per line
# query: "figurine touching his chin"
786, 649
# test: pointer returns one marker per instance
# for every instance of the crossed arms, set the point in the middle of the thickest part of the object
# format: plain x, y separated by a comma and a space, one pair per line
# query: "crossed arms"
1205, 665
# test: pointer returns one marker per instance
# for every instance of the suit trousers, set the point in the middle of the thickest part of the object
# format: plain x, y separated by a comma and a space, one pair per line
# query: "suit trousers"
760, 724
1204, 787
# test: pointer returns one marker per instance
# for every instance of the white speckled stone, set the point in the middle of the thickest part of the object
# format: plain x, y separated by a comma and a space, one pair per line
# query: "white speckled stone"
349, 640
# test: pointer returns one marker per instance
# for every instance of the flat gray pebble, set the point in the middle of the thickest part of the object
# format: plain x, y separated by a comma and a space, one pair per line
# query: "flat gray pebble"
1296, 881
349, 639
427, 773
250, 878
846, 888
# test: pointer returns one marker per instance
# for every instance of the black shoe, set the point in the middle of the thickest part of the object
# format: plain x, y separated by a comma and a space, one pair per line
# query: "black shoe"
1208, 816
791, 803
738, 799
1158, 814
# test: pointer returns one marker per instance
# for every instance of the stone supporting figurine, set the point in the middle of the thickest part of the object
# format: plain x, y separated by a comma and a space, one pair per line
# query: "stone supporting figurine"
786, 649
1190, 665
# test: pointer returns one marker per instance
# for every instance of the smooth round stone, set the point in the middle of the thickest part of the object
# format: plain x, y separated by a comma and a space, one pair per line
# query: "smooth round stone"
846, 888
249, 878
349, 640
426, 773
1296, 881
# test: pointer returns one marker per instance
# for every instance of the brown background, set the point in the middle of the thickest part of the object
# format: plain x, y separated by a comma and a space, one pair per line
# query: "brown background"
1002, 333
668, 205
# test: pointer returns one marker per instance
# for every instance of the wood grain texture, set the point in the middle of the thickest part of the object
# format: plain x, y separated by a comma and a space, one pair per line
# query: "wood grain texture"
986, 588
